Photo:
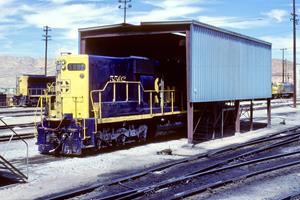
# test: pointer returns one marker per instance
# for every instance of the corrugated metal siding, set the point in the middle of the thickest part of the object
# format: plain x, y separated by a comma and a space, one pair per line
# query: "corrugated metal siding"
226, 67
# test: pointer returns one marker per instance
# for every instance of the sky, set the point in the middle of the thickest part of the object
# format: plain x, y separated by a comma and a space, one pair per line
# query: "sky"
22, 21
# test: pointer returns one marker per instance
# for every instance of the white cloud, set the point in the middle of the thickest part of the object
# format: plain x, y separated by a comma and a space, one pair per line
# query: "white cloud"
66, 49
68, 16
74, 16
277, 14
60, 1
172, 3
167, 10
279, 42
266, 19
6, 2
234, 22
164, 14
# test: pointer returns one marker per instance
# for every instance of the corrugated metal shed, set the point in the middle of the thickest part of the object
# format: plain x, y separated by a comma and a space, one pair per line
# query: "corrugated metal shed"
228, 67
220, 65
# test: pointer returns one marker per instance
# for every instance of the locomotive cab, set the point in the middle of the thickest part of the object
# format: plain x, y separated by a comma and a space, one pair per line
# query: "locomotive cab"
72, 86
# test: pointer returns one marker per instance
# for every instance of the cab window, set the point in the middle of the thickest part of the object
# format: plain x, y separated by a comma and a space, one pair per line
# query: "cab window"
76, 67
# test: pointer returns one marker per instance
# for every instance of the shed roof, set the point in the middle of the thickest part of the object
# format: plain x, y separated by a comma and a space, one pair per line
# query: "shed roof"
161, 26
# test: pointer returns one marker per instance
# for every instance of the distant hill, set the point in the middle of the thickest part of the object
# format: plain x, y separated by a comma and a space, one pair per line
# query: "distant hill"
12, 66
277, 70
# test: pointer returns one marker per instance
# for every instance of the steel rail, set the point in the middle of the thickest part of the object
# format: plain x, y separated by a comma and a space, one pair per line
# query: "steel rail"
291, 196
141, 191
21, 115
253, 142
247, 154
87, 189
5, 138
233, 180
16, 111
134, 193
10, 126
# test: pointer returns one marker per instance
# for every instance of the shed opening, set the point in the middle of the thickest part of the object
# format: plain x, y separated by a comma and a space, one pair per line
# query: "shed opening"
169, 49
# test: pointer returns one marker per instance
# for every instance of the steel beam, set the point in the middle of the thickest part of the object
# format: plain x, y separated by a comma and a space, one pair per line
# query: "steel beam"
190, 122
269, 112
190, 108
251, 115
237, 118
82, 46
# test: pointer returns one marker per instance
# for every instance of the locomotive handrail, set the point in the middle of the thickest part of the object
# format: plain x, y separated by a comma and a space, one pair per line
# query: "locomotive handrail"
114, 94
35, 91
140, 86
41, 91
51, 88
40, 102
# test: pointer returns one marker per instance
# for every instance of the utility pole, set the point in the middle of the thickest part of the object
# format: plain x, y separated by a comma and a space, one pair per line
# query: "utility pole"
283, 61
295, 21
125, 6
46, 38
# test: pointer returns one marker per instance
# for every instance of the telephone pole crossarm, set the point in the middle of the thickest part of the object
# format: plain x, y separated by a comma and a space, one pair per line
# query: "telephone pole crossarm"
126, 5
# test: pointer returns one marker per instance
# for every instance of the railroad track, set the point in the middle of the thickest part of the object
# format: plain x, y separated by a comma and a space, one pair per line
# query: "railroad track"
162, 177
292, 196
17, 111
21, 114
4, 138
23, 125
203, 178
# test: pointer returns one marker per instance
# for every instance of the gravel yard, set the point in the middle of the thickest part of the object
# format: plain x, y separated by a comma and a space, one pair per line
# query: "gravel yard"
50, 175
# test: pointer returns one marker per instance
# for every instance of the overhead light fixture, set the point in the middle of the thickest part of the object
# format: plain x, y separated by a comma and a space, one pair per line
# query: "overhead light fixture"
180, 34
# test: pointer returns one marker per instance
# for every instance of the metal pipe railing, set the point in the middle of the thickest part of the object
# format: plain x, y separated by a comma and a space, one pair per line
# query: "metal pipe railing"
27, 147
98, 111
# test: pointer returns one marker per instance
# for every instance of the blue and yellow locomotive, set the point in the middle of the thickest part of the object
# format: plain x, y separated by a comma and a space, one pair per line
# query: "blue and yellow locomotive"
104, 101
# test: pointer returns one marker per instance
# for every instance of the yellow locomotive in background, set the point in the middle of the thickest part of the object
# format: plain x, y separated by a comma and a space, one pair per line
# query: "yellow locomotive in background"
282, 90
30, 87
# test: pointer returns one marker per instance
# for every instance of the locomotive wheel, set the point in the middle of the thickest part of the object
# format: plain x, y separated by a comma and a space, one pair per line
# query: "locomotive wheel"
142, 137
121, 140
99, 144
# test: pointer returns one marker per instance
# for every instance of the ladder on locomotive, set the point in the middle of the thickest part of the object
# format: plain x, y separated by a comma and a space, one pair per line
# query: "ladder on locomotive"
6, 165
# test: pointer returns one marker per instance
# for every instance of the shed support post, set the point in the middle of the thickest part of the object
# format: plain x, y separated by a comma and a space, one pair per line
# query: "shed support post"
251, 115
269, 112
190, 122
82, 46
237, 117
215, 121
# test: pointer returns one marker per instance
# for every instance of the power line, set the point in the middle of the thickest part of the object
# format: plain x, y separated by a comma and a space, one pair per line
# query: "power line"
46, 38
125, 6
